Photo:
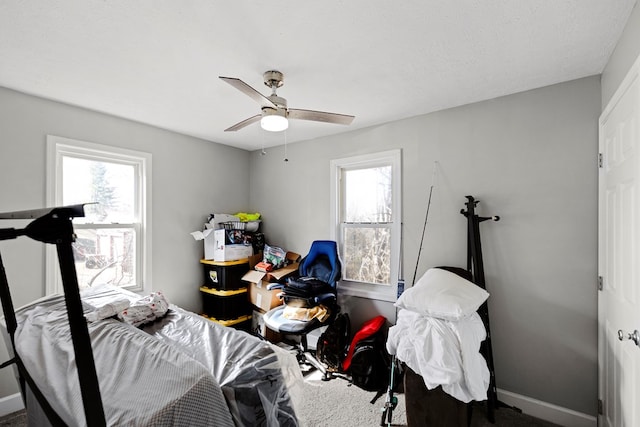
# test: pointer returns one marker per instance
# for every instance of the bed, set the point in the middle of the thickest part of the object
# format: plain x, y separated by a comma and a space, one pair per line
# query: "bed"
180, 369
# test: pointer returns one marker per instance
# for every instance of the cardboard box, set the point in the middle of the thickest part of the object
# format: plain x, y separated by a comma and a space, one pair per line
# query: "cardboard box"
258, 281
258, 327
254, 276
229, 247
222, 245
231, 252
261, 297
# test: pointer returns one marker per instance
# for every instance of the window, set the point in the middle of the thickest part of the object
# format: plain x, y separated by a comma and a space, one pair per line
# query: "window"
366, 216
112, 240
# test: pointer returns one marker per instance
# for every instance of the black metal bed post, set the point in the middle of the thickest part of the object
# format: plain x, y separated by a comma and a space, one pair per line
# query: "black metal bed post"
85, 363
24, 377
476, 267
7, 303
9, 316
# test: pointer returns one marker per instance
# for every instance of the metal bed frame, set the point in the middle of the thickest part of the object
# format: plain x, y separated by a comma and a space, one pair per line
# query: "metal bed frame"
54, 226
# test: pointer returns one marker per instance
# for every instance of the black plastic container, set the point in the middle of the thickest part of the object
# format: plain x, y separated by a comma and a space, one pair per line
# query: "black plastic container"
225, 305
242, 323
225, 275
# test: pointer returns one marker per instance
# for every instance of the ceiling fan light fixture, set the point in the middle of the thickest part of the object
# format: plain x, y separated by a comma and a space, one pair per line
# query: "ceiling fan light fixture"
273, 120
275, 114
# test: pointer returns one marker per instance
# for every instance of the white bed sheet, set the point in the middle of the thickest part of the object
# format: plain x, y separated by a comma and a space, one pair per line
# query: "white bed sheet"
142, 381
444, 353
259, 380
180, 370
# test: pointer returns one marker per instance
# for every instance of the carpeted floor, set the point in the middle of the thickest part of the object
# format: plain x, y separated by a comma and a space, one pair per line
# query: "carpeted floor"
335, 403
16, 419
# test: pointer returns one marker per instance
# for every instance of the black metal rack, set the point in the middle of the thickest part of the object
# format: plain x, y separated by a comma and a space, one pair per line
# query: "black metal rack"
476, 268
54, 226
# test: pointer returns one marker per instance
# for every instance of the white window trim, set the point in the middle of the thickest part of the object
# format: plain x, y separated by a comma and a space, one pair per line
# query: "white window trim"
392, 157
58, 146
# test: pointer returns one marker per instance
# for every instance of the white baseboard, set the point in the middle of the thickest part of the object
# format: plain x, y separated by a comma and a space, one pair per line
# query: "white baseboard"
547, 411
11, 404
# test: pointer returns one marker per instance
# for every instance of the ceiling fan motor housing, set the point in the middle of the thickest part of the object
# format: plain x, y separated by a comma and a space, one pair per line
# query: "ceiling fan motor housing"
273, 79
268, 111
278, 101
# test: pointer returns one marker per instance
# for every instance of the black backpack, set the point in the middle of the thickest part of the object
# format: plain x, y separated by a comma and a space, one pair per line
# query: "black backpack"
369, 367
332, 344
370, 363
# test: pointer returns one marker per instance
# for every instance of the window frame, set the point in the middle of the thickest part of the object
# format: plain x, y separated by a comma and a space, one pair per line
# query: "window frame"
59, 147
337, 166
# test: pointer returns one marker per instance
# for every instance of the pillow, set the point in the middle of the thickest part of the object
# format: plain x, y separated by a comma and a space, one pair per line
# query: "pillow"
444, 295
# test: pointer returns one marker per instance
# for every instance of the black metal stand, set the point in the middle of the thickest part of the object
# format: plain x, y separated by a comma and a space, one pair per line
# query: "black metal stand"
476, 268
54, 226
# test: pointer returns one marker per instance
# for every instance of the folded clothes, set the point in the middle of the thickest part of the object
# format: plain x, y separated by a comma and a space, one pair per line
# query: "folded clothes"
107, 310
319, 312
145, 310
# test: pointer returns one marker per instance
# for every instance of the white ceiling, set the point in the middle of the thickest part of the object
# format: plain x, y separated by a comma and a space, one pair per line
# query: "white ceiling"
158, 61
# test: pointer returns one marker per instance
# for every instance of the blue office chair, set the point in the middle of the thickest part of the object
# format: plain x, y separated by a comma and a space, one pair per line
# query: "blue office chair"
315, 283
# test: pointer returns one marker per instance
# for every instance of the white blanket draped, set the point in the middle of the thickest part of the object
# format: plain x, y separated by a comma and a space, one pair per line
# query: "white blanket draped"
443, 352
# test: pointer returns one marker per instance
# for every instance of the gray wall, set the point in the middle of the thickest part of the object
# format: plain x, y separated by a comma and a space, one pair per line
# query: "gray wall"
528, 157
626, 52
191, 178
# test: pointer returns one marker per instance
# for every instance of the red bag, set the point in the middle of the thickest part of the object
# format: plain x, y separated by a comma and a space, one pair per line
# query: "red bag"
369, 328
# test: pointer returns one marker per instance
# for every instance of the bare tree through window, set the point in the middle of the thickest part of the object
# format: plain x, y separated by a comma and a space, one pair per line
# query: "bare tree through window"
366, 226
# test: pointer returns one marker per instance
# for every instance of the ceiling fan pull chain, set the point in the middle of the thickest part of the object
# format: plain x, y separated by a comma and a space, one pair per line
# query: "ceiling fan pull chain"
286, 159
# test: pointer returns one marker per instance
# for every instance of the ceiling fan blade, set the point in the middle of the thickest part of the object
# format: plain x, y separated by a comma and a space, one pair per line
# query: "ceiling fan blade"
320, 116
245, 122
248, 90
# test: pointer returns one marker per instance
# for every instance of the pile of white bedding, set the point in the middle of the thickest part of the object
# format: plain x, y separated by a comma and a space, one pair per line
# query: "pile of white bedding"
438, 334
443, 352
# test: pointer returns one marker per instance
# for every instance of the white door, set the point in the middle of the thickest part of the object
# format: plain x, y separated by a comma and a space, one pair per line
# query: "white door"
619, 256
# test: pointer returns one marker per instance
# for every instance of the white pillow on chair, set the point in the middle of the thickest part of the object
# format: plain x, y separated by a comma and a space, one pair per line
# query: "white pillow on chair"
444, 295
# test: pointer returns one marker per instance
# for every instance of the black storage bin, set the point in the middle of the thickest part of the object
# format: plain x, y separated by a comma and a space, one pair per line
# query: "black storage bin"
242, 323
225, 305
225, 275
432, 407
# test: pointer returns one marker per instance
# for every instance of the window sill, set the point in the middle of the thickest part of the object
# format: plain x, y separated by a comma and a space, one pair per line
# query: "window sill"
386, 294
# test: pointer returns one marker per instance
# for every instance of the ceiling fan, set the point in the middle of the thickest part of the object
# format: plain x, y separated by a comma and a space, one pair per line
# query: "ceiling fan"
275, 114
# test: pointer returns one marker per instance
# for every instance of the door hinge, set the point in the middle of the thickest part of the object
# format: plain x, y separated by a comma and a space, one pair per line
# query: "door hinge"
600, 160
600, 407
600, 283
